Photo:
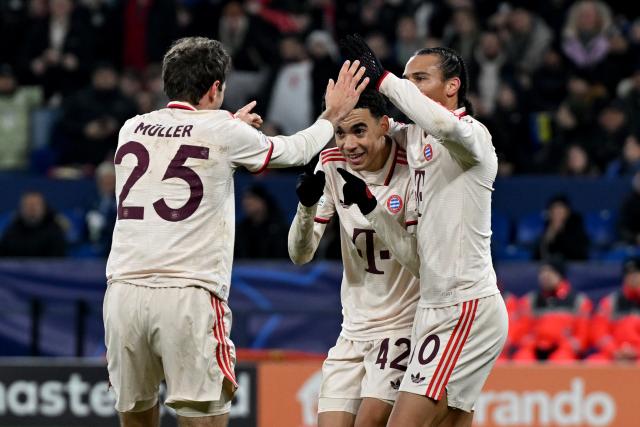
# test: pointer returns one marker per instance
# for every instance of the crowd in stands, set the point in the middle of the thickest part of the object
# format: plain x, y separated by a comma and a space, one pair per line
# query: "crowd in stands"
557, 323
557, 84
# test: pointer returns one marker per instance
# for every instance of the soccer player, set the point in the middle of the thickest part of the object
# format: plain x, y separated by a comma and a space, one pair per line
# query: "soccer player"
362, 373
169, 270
461, 322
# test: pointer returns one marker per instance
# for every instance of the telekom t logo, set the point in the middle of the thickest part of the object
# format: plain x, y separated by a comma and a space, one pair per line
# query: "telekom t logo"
369, 249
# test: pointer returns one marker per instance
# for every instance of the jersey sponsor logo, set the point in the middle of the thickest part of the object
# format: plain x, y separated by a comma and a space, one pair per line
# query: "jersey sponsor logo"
394, 203
428, 152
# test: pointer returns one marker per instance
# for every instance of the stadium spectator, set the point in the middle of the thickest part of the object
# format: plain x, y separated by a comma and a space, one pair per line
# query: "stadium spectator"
35, 231
605, 144
101, 218
263, 232
293, 86
549, 83
510, 130
628, 163
564, 235
632, 98
526, 39
555, 316
383, 51
577, 162
92, 118
57, 53
576, 117
16, 105
408, 40
143, 30
323, 53
615, 328
246, 38
584, 36
488, 67
630, 214
462, 34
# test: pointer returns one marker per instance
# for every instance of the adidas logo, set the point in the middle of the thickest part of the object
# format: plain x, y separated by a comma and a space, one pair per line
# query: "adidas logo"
416, 378
395, 384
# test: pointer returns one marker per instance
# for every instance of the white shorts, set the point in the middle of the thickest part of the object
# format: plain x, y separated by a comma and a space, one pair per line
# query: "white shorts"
178, 334
455, 349
354, 370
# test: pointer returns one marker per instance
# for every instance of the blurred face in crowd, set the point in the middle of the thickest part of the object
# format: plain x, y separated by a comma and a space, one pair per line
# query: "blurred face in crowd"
464, 22
32, 208
631, 149
424, 72
558, 212
254, 207
520, 21
105, 79
7, 84
490, 45
548, 278
588, 18
360, 138
612, 119
507, 98
60, 8
291, 50
407, 31
632, 279
577, 160
578, 88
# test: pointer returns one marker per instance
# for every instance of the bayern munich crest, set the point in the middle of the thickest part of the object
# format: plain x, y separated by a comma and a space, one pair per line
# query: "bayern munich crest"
394, 203
428, 152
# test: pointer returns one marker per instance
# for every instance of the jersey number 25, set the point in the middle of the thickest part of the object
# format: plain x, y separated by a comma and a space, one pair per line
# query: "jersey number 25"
176, 169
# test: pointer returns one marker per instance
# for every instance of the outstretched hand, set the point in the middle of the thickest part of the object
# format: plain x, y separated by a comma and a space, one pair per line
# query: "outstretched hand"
355, 48
343, 94
356, 191
247, 116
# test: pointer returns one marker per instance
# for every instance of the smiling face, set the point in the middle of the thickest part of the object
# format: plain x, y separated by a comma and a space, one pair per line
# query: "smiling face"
424, 71
360, 138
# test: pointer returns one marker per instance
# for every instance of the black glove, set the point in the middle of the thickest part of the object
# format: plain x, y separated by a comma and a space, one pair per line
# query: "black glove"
356, 191
354, 47
310, 188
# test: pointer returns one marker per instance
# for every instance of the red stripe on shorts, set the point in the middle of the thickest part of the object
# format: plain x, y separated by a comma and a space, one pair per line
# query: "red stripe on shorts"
446, 350
227, 347
452, 357
217, 333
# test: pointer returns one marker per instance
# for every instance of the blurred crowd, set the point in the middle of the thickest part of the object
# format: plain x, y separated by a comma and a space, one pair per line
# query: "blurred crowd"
557, 83
560, 324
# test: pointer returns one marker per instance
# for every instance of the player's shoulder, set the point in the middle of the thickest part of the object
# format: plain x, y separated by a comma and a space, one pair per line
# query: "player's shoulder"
332, 158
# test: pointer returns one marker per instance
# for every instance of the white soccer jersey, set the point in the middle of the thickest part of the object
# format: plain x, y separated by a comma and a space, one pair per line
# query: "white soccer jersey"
453, 165
174, 185
379, 295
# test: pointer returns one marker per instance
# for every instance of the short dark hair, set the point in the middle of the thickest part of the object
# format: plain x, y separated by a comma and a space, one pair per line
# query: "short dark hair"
191, 66
374, 101
452, 65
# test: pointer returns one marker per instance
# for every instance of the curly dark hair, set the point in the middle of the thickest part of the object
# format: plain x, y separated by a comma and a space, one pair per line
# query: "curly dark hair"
191, 66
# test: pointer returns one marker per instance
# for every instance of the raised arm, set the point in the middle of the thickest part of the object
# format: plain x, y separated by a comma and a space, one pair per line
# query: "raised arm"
314, 212
457, 134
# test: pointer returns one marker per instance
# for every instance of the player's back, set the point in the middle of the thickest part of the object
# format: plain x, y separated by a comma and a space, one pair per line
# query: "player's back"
174, 185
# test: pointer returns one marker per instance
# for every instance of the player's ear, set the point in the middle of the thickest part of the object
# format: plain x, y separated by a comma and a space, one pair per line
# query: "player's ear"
452, 85
384, 124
